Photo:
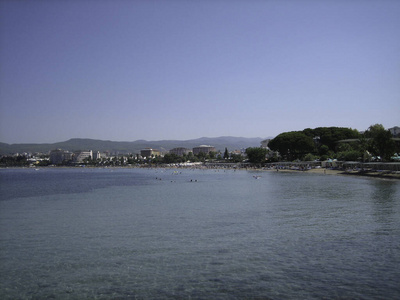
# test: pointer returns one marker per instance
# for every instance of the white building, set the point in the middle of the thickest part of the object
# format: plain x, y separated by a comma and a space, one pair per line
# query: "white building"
80, 156
395, 131
180, 151
204, 149
149, 152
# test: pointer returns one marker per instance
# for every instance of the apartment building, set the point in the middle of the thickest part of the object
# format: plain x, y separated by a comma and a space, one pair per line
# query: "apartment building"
180, 151
58, 156
80, 156
204, 149
395, 131
97, 155
149, 152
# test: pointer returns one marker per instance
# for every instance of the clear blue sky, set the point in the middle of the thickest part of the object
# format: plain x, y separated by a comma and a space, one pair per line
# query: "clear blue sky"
126, 70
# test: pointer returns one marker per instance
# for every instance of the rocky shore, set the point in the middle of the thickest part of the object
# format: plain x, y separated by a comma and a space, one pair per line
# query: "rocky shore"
363, 173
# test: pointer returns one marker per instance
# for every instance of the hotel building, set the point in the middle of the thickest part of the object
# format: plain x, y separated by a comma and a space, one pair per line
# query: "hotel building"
204, 149
149, 152
180, 151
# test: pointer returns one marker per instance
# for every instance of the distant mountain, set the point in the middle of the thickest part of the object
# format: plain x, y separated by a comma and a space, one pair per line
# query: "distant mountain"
220, 143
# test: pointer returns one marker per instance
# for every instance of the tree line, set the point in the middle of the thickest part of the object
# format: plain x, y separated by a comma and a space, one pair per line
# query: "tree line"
321, 143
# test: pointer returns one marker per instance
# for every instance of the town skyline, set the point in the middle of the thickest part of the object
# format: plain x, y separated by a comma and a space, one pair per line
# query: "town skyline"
319, 144
392, 129
179, 70
130, 147
233, 143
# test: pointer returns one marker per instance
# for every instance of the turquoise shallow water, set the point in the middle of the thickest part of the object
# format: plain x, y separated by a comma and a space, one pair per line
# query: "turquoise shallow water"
199, 234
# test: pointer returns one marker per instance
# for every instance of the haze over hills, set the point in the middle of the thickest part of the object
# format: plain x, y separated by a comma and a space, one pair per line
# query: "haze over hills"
230, 142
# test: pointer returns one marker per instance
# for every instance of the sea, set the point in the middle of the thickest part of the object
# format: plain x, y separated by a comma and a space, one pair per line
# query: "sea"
130, 233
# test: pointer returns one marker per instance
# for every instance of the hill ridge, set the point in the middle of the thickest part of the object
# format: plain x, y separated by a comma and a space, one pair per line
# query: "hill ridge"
123, 147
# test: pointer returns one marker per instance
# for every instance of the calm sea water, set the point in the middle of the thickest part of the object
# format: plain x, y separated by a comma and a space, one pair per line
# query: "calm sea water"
197, 234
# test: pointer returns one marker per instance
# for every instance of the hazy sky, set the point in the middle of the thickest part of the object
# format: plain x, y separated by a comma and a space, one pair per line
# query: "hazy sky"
128, 70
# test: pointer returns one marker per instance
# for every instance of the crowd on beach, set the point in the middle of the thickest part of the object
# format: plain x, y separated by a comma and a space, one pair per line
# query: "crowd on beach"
391, 171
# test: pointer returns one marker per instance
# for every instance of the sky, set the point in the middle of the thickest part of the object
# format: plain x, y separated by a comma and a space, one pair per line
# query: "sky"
128, 70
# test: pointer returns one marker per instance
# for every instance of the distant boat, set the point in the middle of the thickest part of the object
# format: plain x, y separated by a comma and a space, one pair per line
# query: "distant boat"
256, 177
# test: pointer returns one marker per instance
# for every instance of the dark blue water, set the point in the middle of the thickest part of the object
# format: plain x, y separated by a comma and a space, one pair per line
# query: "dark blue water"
195, 234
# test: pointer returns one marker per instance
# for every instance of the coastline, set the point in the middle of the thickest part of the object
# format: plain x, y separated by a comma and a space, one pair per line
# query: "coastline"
367, 173
376, 174
386, 175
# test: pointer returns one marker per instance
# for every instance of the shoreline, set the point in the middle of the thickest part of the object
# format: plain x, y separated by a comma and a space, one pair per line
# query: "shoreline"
337, 172
386, 175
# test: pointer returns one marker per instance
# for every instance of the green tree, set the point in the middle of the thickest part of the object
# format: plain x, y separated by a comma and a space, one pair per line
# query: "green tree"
256, 155
14, 161
351, 155
236, 158
171, 158
323, 150
309, 157
189, 156
211, 154
157, 159
381, 142
344, 147
226, 153
363, 145
329, 136
292, 145
374, 130
201, 156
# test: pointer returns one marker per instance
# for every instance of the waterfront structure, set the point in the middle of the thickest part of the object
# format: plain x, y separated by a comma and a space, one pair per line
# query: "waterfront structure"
180, 151
204, 149
80, 156
59, 156
149, 152
395, 131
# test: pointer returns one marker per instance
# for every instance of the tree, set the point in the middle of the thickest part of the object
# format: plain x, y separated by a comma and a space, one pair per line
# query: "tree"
381, 143
190, 156
292, 145
329, 136
226, 153
211, 154
363, 147
309, 157
157, 159
236, 158
14, 161
323, 150
350, 155
374, 130
201, 156
256, 155
170, 158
